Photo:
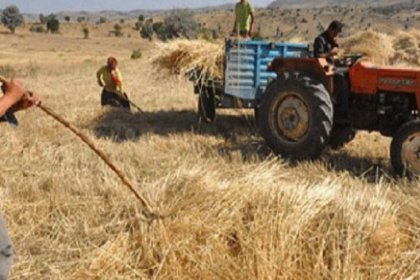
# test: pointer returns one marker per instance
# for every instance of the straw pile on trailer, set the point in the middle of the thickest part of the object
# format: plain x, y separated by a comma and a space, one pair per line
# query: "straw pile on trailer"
205, 59
184, 57
383, 49
407, 48
376, 47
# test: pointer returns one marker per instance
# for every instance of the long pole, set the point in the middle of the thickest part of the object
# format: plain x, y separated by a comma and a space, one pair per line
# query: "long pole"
146, 205
101, 154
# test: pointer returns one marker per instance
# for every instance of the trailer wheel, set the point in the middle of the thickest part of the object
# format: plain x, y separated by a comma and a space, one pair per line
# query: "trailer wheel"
405, 150
206, 106
296, 116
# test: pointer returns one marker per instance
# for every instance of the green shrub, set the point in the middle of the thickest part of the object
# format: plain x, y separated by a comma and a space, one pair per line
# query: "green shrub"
136, 54
53, 25
102, 20
146, 31
86, 32
138, 25
42, 19
158, 27
117, 32
179, 24
11, 18
37, 28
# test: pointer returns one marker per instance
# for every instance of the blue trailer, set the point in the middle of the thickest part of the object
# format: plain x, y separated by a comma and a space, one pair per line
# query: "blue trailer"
245, 75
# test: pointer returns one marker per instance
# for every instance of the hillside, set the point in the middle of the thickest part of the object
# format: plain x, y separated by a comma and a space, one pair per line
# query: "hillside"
323, 3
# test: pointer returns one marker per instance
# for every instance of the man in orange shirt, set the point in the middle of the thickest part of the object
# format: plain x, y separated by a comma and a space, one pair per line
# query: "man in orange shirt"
109, 77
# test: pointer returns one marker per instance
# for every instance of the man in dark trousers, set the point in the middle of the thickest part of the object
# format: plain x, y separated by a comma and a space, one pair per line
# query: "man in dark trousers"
15, 98
109, 78
325, 44
244, 19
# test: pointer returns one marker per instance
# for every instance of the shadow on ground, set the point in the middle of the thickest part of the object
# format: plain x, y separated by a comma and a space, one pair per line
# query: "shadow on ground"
372, 170
240, 135
120, 125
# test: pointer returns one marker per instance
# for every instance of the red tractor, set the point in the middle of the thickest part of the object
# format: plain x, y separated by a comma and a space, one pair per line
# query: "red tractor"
312, 105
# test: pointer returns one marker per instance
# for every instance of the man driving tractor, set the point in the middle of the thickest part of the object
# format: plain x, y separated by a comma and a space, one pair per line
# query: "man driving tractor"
326, 46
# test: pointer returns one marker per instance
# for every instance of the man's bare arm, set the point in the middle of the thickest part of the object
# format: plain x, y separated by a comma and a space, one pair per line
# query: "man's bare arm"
16, 97
13, 92
251, 26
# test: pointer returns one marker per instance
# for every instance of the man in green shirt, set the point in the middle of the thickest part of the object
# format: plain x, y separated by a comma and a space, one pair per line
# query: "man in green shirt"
244, 19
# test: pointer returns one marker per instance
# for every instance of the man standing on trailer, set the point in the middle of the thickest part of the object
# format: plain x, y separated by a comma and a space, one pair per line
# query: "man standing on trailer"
15, 98
244, 19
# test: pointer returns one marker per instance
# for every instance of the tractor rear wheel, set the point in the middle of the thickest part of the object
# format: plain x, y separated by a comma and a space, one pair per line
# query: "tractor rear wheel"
405, 150
207, 105
296, 116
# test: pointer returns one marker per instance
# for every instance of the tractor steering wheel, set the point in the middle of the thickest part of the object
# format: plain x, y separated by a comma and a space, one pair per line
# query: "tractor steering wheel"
349, 60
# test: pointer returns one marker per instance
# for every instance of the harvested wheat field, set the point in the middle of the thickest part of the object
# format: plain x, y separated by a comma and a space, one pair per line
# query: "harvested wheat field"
232, 209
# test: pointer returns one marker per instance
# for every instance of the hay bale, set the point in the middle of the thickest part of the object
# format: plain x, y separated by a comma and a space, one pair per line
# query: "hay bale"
407, 48
376, 47
182, 56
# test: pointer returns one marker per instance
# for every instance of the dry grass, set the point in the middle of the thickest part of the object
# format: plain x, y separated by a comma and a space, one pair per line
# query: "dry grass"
385, 49
236, 212
184, 56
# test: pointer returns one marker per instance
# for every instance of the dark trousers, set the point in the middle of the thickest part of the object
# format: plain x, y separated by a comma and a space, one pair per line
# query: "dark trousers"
114, 99
342, 91
6, 251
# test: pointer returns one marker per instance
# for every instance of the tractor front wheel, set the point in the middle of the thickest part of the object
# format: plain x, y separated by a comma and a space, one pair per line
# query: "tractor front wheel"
296, 116
405, 150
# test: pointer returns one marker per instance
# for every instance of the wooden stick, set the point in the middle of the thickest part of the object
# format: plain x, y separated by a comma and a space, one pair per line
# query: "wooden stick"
149, 211
101, 154
135, 106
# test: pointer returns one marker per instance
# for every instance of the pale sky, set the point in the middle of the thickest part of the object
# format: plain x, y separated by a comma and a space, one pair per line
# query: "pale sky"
46, 6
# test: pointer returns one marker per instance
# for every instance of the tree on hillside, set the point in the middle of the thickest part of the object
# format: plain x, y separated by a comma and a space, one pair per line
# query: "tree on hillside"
53, 25
146, 31
42, 19
117, 30
67, 18
86, 32
179, 24
102, 20
11, 18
